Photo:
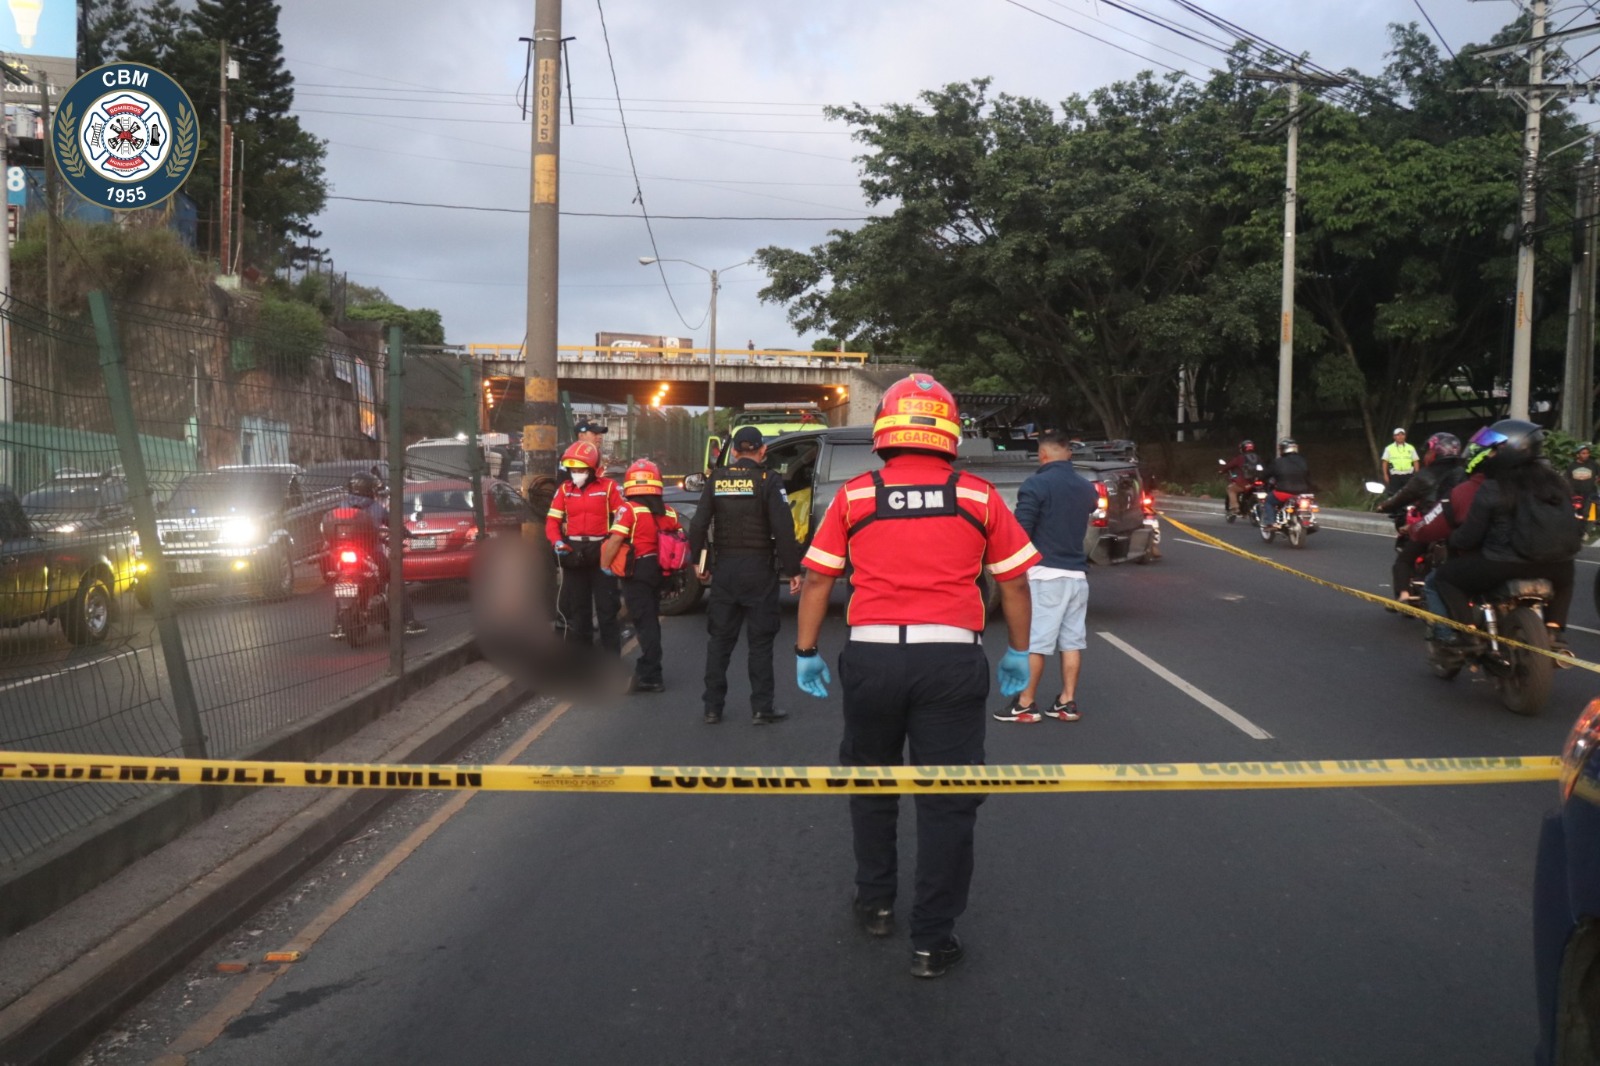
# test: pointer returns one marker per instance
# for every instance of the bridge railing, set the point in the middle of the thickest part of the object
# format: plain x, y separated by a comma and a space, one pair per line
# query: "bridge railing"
732, 357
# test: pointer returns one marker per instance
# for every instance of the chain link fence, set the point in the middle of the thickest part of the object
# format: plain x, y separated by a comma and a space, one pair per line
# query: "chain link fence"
169, 482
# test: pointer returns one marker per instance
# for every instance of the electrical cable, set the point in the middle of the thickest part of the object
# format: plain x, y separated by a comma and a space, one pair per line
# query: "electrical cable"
614, 214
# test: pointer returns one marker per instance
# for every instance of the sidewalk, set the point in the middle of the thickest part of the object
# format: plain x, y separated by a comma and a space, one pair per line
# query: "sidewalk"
63, 979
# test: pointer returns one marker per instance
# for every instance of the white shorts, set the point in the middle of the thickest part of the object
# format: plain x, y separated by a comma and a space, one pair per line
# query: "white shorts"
1059, 607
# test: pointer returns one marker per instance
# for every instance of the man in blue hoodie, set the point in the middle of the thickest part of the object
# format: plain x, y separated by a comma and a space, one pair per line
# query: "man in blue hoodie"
1054, 507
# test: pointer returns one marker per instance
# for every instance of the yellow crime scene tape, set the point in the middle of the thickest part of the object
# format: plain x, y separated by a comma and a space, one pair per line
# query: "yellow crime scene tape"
25, 767
1384, 601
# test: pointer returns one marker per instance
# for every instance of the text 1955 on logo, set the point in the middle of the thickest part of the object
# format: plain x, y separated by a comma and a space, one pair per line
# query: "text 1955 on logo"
125, 136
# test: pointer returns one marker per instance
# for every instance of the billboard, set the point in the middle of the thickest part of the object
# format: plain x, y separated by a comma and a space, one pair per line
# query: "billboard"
623, 341
59, 71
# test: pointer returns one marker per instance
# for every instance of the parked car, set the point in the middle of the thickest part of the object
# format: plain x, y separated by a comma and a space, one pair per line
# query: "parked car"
440, 518
1566, 905
241, 525
73, 501
682, 592
72, 578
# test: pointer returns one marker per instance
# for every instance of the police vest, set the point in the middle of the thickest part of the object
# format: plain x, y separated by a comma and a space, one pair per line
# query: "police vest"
740, 509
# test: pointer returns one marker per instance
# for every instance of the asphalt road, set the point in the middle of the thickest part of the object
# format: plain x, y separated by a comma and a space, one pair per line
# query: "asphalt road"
256, 667
1330, 926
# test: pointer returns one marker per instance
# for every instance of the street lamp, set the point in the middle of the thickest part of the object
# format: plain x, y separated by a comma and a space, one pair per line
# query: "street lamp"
711, 363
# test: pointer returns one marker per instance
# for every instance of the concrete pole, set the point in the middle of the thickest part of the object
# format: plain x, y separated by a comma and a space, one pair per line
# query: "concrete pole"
1286, 325
224, 166
1522, 339
7, 402
1576, 386
541, 410
711, 363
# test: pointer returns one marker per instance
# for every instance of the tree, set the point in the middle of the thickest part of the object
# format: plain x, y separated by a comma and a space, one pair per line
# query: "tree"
1082, 253
103, 29
422, 325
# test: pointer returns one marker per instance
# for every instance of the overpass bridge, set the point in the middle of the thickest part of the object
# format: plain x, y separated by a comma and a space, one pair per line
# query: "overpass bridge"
844, 385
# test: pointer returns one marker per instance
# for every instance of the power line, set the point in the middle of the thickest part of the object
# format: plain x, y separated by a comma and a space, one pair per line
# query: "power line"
612, 214
1102, 40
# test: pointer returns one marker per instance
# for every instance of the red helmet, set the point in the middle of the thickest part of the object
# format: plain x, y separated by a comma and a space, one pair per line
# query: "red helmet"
581, 454
642, 479
917, 412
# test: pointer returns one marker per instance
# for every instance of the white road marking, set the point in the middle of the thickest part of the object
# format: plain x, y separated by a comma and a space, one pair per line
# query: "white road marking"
1196, 543
1583, 629
1222, 710
57, 673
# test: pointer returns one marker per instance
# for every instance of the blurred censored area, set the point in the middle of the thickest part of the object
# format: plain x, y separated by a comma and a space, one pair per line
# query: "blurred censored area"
204, 625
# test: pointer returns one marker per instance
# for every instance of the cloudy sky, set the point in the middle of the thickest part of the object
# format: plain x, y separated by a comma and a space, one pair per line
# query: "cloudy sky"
418, 102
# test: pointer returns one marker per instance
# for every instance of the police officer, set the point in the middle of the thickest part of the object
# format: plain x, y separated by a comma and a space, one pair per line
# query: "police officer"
745, 513
914, 669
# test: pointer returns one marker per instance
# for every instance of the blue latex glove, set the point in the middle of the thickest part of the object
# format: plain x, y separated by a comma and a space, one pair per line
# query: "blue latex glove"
563, 548
1013, 672
811, 674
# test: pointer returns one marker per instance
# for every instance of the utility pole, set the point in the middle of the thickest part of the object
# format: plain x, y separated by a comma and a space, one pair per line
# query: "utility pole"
1533, 96
1577, 405
541, 409
52, 370
1295, 78
225, 165
711, 362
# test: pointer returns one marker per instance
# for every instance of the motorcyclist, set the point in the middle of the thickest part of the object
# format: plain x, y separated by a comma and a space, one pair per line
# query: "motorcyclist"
1442, 470
1515, 473
361, 494
1433, 531
1584, 478
1241, 471
1289, 475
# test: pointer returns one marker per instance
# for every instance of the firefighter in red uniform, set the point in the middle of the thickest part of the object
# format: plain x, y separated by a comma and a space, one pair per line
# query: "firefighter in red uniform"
639, 524
579, 518
917, 534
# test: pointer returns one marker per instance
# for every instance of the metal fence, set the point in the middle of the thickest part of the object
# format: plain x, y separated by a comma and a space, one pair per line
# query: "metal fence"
165, 476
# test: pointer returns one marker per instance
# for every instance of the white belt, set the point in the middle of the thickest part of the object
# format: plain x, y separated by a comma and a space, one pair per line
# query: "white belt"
920, 634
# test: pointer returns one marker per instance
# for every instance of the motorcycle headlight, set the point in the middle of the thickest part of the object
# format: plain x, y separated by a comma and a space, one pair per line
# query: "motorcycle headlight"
239, 531
1585, 735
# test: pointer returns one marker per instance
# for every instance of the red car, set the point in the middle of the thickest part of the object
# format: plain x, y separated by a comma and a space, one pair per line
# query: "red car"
443, 538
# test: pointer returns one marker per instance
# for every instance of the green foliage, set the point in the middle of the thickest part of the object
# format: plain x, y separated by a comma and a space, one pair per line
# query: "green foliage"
125, 261
422, 325
1560, 449
287, 337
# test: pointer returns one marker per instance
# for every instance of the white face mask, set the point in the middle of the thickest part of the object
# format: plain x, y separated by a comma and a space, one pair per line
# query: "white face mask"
580, 478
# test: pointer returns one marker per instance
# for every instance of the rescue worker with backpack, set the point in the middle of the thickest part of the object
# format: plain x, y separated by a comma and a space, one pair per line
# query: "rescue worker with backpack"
1522, 523
914, 672
645, 544
579, 519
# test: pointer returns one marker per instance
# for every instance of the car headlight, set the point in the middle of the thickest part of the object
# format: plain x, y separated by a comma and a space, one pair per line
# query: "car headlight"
238, 531
1585, 735
66, 527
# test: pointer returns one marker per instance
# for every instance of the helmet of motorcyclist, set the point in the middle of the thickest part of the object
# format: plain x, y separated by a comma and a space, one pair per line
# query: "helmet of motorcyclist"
1287, 446
917, 412
1443, 446
581, 455
1246, 447
1583, 446
1475, 454
362, 484
1509, 443
642, 479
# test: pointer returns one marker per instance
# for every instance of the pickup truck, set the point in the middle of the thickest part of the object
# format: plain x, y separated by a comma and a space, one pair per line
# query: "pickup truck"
73, 579
815, 463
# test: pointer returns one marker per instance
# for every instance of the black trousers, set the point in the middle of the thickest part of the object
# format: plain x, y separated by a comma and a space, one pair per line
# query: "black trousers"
588, 593
1405, 553
1458, 579
933, 696
743, 595
642, 594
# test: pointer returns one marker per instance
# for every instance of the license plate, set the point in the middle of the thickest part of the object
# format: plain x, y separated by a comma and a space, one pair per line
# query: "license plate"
189, 566
424, 544
344, 592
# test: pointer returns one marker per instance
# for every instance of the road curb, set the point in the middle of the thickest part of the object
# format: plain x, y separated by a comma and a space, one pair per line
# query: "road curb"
71, 974
1327, 517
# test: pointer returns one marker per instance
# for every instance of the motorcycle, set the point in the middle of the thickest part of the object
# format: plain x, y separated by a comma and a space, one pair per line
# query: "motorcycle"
1295, 517
1516, 610
1421, 562
1252, 489
360, 595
